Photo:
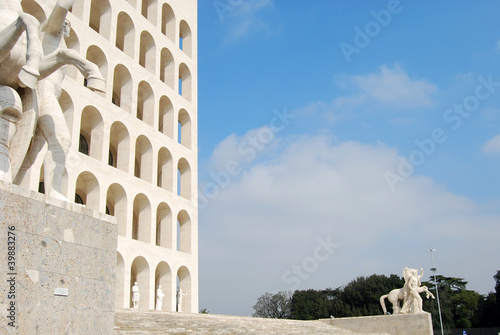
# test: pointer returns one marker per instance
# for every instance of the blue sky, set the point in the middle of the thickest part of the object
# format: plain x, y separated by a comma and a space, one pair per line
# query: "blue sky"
344, 138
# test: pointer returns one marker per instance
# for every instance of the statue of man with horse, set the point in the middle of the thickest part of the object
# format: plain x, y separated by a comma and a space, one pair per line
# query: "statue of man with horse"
33, 55
409, 294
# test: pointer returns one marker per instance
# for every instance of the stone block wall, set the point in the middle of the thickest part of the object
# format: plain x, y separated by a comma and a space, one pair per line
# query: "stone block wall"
61, 278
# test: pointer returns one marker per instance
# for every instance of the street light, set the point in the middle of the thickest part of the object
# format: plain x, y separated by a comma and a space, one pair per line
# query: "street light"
433, 269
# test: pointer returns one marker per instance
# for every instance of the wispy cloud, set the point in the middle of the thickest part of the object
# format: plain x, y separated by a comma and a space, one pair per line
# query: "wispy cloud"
392, 86
388, 88
492, 147
248, 17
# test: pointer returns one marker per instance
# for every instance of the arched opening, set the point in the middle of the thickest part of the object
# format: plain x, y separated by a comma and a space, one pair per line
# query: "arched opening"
145, 103
116, 203
167, 68
166, 122
185, 82
125, 34
183, 232
143, 159
147, 55
139, 272
96, 56
168, 22
163, 277
100, 17
165, 177
141, 225
87, 190
122, 88
91, 132
184, 284
184, 179
150, 10
164, 228
185, 38
119, 146
120, 278
184, 129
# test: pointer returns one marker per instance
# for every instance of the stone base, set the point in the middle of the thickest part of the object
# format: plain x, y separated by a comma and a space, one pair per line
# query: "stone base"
134, 322
399, 324
62, 279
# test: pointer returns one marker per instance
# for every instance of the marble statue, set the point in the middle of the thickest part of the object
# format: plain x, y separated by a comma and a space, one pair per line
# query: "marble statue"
180, 294
135, 296
20, 54
159, 298
47, 65
20, 46
409, 294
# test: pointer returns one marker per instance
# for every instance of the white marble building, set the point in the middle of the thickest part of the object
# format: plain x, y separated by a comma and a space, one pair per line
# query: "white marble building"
134, 148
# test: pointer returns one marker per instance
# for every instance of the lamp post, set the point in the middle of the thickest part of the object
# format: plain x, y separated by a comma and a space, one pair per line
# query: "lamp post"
433, 269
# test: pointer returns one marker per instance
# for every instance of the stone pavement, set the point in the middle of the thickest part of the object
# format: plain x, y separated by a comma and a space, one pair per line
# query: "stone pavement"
130, 322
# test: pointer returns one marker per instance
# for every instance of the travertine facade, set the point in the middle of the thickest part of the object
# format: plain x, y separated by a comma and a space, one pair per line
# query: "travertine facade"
134, 148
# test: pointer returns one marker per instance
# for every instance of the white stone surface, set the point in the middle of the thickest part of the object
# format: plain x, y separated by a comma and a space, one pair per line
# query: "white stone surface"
47, 266
145, 323
398, 324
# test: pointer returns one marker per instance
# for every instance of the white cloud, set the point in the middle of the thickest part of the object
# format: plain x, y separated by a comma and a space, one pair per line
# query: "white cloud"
243, 149
492, 147
388, 88
270, 219
245, 17
394, 87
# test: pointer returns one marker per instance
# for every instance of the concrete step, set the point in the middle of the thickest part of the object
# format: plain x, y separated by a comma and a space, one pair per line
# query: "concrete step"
133, 322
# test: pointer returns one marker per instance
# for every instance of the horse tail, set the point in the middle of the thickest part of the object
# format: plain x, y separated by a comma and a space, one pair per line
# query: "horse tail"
382, 303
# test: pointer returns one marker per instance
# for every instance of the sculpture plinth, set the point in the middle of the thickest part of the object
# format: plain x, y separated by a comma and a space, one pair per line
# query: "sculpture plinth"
60, 278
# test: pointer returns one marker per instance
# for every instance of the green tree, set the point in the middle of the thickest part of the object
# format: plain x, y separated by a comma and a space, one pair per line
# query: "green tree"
277, 306
358, 298
490, 316
362, 295
460, 308
309, 305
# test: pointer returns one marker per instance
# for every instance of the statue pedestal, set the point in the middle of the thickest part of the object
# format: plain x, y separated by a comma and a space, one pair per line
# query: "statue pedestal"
398, 324
61, 275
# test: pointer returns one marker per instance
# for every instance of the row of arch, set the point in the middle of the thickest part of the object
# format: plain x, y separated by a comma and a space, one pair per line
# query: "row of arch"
100, 19
146, 101
121, 146
173, 76
156, 166
137, 219
148, 280
160, 63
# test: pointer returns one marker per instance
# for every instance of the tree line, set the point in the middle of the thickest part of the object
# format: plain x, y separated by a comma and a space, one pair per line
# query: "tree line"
460, 307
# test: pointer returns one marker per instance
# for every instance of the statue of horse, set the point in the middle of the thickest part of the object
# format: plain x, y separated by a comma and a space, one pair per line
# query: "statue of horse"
399, 294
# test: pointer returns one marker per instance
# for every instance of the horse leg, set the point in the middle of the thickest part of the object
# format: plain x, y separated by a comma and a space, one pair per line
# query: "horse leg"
9, 36
382, 303
90, 71
28, 76
395, 305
